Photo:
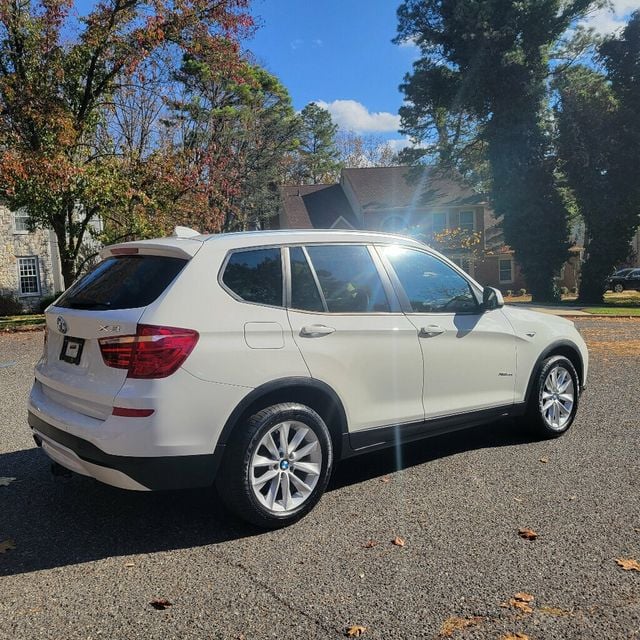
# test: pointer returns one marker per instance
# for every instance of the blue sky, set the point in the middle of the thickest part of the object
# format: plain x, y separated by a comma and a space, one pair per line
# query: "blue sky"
337, 52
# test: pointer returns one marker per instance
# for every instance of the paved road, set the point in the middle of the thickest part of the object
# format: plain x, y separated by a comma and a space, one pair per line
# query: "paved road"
88, 559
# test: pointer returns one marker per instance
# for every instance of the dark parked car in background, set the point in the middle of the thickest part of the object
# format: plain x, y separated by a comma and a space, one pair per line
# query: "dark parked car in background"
624, 279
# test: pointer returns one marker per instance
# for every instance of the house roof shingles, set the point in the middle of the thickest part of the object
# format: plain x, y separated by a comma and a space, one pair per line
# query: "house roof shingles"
314, 206
401, 187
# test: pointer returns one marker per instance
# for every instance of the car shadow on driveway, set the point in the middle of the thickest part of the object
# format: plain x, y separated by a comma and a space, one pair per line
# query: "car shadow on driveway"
56, 522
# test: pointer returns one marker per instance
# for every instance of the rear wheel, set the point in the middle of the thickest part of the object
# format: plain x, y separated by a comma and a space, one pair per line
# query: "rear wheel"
618, 288
554, 399
277, 466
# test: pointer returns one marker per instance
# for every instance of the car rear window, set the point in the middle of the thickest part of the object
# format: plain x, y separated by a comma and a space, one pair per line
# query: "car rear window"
123, 282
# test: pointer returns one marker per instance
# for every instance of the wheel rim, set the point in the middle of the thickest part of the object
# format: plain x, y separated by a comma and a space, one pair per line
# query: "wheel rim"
557, 398
286, 466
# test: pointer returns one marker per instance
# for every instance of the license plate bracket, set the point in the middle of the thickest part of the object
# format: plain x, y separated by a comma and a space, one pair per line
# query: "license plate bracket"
72, 350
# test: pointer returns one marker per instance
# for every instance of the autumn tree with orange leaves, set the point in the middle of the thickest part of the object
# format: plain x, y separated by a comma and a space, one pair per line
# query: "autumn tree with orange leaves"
63, 80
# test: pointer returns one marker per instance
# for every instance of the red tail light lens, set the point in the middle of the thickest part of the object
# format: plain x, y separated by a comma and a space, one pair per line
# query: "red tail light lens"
154, 352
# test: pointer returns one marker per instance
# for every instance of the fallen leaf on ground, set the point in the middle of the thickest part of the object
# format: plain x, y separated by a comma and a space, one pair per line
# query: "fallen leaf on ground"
524, 597
628, 564
355, 631
129, 564
5, 545
5, 482
160, 603
518, 499
398, 541
521, 606
385, 479
554, 611
453, 624
527, 534
515, 636
370, 544
544, 460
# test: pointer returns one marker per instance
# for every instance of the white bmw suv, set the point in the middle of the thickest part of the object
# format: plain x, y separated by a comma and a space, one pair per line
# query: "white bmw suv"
257, 360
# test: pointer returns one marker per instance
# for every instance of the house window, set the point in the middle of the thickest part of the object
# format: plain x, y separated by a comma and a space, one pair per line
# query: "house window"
21, 221
29, 276
466, 220
506, 270
438, 222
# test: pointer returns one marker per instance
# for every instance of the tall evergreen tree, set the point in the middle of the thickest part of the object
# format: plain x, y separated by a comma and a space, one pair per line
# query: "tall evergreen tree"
599, 143
317, 159
488, 60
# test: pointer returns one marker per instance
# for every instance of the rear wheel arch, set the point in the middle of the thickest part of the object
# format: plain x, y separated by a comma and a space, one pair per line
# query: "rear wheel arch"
313, 393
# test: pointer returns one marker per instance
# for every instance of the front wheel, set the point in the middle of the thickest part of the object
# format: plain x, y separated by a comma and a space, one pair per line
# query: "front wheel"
618, 288
276, 466
554, 398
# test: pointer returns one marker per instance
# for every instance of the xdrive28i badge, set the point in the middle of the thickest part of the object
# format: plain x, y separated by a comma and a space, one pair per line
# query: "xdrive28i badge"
61, 324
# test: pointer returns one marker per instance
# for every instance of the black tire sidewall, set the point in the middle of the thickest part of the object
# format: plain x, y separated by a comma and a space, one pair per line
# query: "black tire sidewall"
235, 473
536, 418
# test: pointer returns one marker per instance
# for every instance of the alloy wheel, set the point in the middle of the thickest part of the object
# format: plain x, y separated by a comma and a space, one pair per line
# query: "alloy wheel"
557, 398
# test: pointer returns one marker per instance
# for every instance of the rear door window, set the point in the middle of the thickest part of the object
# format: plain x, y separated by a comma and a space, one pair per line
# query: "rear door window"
123, 282
255, 276
304, 292
348, 278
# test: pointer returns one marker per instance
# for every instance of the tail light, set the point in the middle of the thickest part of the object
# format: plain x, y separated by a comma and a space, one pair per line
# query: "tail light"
154, 352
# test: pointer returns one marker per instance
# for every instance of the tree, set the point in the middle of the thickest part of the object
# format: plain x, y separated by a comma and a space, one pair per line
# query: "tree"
598, 119
364, 151
54, 96
488, 63
317, 156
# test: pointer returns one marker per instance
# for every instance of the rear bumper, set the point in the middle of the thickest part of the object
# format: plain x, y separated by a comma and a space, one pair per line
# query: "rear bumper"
126, 472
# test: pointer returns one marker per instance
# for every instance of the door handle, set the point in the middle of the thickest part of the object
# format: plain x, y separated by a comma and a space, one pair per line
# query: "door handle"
316, 331
431, 330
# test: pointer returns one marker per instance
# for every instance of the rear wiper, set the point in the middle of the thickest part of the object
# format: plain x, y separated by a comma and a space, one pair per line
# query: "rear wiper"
88, 304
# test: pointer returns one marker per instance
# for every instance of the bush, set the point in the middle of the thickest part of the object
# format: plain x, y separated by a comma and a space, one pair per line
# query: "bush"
509, 293
47, 300
564, 291
574, 291
523, 292
9, 306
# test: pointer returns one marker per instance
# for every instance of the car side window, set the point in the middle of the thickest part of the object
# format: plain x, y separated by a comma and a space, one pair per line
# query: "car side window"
304, 292
255, 276
431, 285
348, 278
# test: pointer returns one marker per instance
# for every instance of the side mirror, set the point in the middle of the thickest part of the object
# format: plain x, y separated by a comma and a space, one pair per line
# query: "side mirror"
492, 299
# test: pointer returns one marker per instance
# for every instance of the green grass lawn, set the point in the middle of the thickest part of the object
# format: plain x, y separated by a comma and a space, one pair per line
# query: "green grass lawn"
14, 322
613, 311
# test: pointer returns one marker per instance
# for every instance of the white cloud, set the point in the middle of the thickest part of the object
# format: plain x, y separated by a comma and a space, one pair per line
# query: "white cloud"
296, 44
354, 116
408, 43
317, 42
612, 18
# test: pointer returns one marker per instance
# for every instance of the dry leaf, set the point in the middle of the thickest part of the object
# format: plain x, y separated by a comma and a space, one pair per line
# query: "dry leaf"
385, 479
518, 499
129, 564
544, 460
524, 597
515, 636
527, 534
453, 624
355, 631
370, 544
554, 611
5, 545
628, 564
398, 541
521, 606
5, 482
160, 603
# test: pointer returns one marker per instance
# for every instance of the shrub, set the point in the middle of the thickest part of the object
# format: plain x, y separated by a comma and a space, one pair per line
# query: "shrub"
574, 291
47, 300
564, 291
9, 306
523, 292
509, 293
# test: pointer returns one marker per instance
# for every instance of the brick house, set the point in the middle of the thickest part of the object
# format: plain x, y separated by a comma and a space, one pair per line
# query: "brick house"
403, 200
29, 261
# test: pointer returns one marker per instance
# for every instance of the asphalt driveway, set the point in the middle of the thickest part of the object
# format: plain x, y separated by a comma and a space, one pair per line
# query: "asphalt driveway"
89, 559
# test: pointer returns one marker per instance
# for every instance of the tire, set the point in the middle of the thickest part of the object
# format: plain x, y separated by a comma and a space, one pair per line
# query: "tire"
618, 288
294, 484
554, 398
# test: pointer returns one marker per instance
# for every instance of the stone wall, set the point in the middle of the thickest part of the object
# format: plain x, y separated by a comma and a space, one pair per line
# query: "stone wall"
14, 245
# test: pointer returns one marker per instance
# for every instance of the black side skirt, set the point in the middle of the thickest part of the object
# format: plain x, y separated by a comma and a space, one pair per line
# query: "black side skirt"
382, 437
167, 472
